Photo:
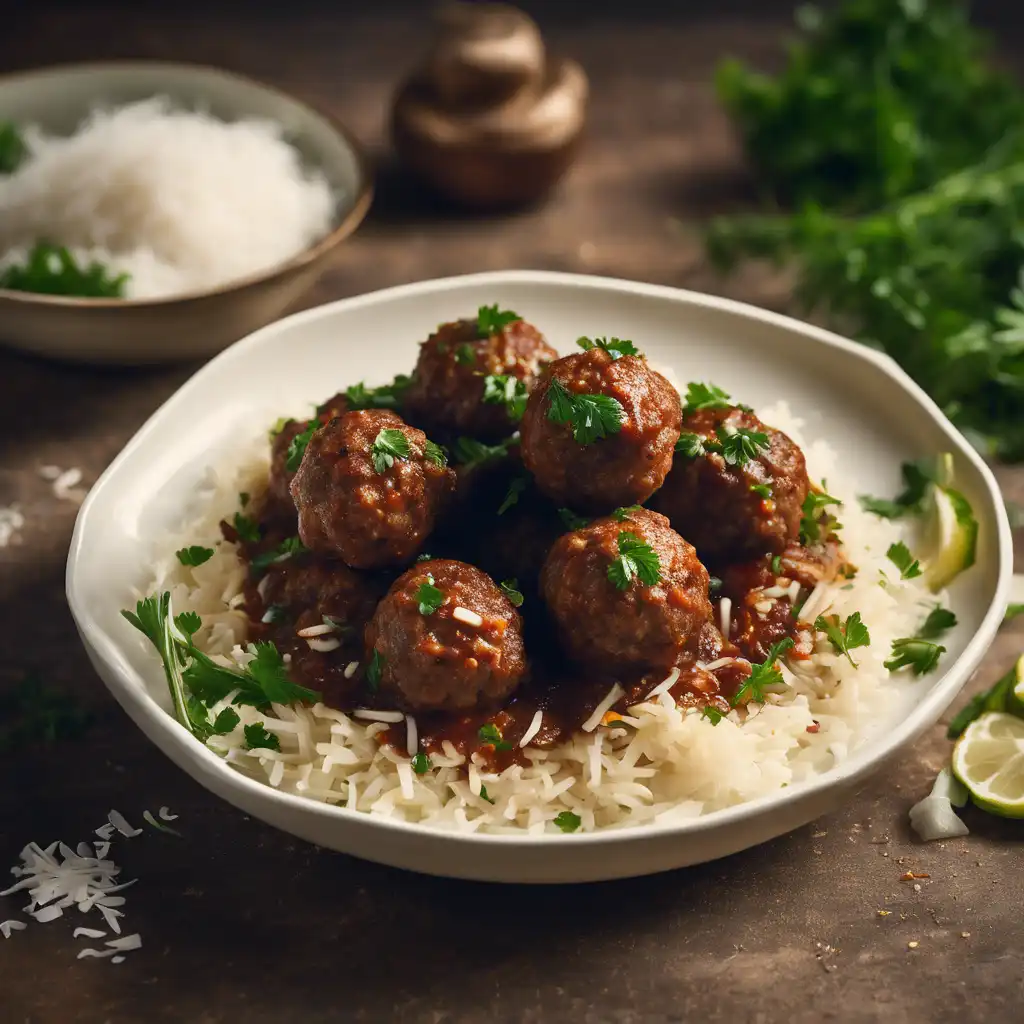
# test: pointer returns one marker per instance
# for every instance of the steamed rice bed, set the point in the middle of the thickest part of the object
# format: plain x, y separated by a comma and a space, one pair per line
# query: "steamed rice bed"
672, 765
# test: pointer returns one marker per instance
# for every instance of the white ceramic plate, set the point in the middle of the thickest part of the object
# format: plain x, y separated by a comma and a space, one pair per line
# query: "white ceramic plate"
860, 402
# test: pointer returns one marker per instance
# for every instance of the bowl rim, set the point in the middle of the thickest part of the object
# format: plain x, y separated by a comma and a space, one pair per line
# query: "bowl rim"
922, 715
355, 212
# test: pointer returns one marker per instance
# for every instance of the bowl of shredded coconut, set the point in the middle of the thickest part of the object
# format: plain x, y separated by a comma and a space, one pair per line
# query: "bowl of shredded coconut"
153, 212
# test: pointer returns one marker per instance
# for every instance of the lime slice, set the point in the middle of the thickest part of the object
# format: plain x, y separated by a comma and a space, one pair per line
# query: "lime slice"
989, 760
955, 532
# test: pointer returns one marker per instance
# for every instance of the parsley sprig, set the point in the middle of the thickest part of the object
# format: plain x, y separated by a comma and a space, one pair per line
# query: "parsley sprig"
257, 736
491, 734
298, 444
194, 555
468, 451
435, 454
428, 596
247, 528
386, 396
920, 653
510, 588
615, 347
917, 478
507, 390
492, 320
197, 683
763, 678
736, 445
844, 636
900, 556
637, 560
512, 495
571, 521
53, 270
390, 444
704, 396
592, 417
568, 821
286, 549
813, 525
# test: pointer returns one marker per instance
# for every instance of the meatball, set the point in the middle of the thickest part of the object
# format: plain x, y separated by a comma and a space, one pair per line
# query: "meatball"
616, 624
369, 489
734, 512
446, 638
447, 391
280, 479
623, 467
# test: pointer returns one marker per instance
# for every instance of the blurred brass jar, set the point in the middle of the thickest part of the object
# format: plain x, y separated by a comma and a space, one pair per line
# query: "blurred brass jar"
489, 120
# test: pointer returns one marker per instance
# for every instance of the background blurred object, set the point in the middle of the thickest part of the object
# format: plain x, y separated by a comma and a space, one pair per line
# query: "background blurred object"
489, 119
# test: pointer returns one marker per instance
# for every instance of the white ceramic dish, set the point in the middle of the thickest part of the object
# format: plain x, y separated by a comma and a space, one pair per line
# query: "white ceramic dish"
876, 418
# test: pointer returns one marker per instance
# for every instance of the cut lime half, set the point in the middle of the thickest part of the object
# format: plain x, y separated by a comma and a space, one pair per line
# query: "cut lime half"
989, 760
955, 533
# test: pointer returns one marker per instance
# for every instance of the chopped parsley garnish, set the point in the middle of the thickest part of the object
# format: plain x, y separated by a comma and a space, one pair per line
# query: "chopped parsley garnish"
507, 390
911, 652
484, 795
429, 597
470, 452
390, 444
777, 565
421, 763
615, 347
693, 446
917, 477
387, 396
762, 490
288, 547
12, 147
279, 424
515, 489
622, 514
763, 678
711, 713
194, 555
844, 636
592, 417
246, 528
900, 556
812, 527
197, 682
567, 821
510, 588
704, 396
424, 557
298, 444
637, 560
571, 521
491, 320
226, 721
491, 734
374, 670
938, 621
256, 736
52, 270
464, 354
740, 446
436, 454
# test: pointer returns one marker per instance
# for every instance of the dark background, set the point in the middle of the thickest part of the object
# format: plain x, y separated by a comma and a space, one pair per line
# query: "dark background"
240, 922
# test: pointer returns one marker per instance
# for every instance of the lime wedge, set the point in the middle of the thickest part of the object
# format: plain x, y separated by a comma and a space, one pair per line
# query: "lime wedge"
955, 533
989, 760
944, 469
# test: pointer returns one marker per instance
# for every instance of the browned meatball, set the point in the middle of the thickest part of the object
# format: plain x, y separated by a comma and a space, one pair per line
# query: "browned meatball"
733, 512
447, 392
281, 444
369, 489
445, 638
623, 467
643, 625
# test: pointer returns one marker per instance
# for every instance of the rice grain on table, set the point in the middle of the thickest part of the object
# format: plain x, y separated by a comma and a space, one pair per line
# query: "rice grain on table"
670, 765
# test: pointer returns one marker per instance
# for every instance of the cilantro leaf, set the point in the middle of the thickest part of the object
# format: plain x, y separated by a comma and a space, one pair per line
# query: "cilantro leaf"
711, 713
900, 556
622, 514
421, 763
374, 670
917, 478
763, 678
814, 527
844, 636
492, 320
247, 529
911, 652
693, 446
740, 446
387, 396
465, 354
286, 549
592, 417
567, 821
298, 444
429, 597
637, 559
510, 588
436, 454
470, 452
572, 521
704, 396
256, 737
615, 347
507, 390
491, 734
189, 623
194, 555
515, 489
390, 444
225, 722
938, 621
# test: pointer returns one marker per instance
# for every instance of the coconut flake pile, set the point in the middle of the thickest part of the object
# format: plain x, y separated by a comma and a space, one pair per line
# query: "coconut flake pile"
178, 199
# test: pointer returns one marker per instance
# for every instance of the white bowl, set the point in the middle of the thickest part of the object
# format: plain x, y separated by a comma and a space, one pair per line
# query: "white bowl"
875, 418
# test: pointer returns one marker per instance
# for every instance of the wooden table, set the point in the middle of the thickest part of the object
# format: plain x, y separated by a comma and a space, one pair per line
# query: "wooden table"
240, 922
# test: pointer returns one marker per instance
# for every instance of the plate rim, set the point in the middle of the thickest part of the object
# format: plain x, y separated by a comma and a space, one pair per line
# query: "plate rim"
921, 717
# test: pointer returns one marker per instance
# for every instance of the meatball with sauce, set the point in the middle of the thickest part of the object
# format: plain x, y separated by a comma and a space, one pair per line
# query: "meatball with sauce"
369, 489
447, 391
627, 592
445, 638
625, 460
734, 508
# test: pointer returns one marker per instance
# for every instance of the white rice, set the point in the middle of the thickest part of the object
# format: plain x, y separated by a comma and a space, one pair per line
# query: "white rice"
671, 764
178, 199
